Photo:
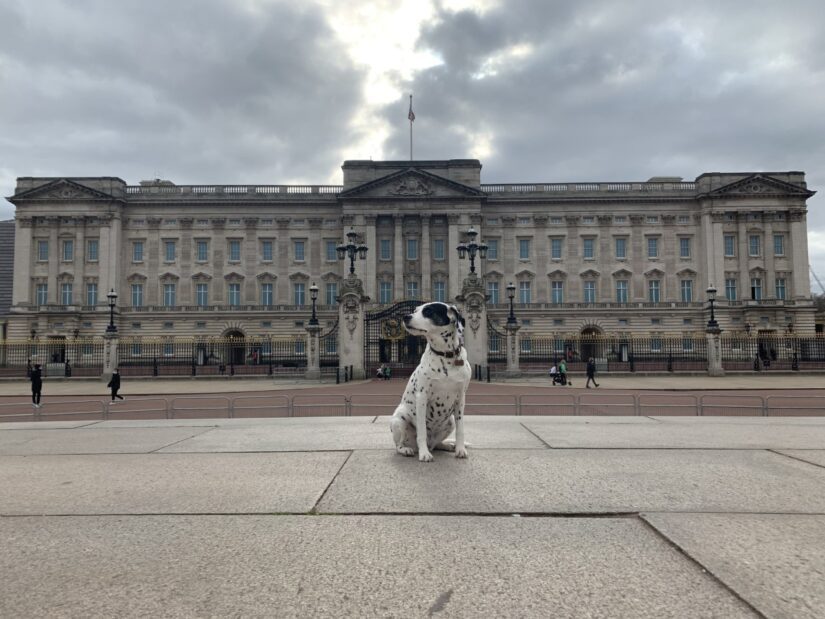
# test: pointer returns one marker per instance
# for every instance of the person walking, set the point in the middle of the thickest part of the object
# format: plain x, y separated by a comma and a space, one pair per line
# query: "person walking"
563, 371
114, 385
591, 372
37, 385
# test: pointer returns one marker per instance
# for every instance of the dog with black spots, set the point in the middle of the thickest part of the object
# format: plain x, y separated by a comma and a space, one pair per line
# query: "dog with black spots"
433, 402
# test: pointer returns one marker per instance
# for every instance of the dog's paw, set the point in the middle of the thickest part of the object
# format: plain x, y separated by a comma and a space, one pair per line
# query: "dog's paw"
406, 451
425, 456
460, 452
447, 445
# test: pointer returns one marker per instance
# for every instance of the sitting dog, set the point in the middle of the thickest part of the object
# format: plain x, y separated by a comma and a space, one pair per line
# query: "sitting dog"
433, 402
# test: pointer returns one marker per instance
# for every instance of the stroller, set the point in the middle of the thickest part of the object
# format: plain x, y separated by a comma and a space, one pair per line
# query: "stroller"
558, 377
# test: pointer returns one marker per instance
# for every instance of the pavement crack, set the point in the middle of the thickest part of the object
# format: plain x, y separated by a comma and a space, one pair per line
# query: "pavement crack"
182, 440
541, 440
314, 509
797, 458
704, 568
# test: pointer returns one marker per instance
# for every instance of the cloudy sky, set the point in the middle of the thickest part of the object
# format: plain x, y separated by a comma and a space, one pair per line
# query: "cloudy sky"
276, 91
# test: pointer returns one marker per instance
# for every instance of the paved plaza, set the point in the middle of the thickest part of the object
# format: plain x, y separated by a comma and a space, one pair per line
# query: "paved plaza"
640, 516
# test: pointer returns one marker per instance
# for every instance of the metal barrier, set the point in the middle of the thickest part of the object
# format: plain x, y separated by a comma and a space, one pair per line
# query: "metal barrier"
724, 405
274, 405
667, 404
175, 409
798, 405
563, 404
135, 409
340, 405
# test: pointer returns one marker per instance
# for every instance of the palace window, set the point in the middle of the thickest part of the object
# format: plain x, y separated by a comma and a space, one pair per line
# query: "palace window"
331, 293
492, 249
555, 249
588, 248
652, 247
524, 290
684, 219
170, 295
438, 249
621, 291
524, 249
42, 294
754, 245
137, 295
92, 247
730, 289
412, 290
202, 294
68, 251
66, 293
266, 294
652, 219
298, 295
202, 251
91, 293
385, 292
439, 291
686, 287
590, 291
778, 244
385, 246
756, 288
621, 248
557, 292
42, 251
169, 251
137, 251
653, 291
492, 292
412, 249
332, 254
780, 288
235, 250
266, 251
684, 247
730, 245
234, 294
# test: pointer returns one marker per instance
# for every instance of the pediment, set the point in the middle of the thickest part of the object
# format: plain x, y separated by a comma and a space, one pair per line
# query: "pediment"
202, 275
622, 273
760, 185
590, 273
557, 274
136, 277
299, 275
168, 276
65, 190
654, 273
411, 183
234, 275
494, 273
266, 275
525, 273
686, 273
329, 276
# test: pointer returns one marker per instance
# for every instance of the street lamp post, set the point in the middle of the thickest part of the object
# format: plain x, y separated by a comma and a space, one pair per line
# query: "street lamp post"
313, 294
511, 294
351, 248
711, 292
472, 248
112, 296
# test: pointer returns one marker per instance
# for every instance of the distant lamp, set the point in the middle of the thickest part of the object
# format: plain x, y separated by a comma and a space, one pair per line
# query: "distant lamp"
711, 292
511, 294
112, 296
313, 295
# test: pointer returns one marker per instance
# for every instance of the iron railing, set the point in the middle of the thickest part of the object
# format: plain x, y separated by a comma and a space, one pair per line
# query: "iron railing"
56, 357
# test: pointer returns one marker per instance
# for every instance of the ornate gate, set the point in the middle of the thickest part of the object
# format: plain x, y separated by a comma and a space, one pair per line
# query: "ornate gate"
386, 341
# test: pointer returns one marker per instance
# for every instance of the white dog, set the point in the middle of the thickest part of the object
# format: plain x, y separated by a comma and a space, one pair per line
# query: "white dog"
433, 402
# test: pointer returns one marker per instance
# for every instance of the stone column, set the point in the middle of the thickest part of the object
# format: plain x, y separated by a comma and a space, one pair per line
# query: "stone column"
24, 256
351, 326
714, 352
512, 350
769, 260
742, 257
799, 255
55, 258
426, 265
453, 285
313, 371
250, 255
370, 222
474, 310
110, 355
398, 260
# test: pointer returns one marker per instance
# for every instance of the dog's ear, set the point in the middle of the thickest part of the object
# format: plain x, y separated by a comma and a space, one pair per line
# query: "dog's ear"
457, 315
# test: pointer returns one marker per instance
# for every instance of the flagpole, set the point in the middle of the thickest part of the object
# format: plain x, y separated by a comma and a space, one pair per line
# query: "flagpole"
411, 123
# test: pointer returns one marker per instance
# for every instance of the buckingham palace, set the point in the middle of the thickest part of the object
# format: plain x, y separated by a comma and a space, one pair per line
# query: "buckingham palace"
240, 260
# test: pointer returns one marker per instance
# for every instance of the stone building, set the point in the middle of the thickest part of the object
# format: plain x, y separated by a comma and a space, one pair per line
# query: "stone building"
630, 257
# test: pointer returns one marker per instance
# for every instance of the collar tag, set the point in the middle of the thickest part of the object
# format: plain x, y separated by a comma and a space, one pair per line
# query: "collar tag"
458, 362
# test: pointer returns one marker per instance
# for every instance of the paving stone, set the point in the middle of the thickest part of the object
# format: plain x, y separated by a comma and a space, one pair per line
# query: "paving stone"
94, 440
774, 561
756, 421
44, 425
300, 566
814, 456
577, 481
165, 483
306, 422
681, 435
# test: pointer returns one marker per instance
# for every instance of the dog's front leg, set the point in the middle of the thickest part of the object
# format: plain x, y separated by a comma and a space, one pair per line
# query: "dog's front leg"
460, 447
424, 454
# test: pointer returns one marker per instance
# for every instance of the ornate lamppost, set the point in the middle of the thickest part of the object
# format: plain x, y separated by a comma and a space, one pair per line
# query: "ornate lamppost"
511, 294
351, 248
112, 296
472, 248
313, 294
711, 292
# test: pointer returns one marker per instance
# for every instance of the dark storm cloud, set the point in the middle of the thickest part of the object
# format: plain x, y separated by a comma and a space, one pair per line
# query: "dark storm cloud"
625, 91
196, 91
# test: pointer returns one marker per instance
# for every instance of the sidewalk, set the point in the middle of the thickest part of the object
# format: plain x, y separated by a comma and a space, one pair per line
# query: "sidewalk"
166, 386
550, 516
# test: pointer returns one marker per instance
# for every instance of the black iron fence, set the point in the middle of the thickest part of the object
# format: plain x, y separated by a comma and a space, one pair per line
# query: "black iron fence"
56, 357
496, 347
211, 356
763, 352
328, 353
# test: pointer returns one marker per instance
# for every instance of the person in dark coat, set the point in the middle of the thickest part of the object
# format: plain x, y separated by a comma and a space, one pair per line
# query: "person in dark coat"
591, 372
37, 385
114, 385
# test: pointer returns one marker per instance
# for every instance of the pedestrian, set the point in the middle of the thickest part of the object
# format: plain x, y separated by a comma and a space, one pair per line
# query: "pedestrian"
29, 369
591, 372
37, 385
563, 371
114, 385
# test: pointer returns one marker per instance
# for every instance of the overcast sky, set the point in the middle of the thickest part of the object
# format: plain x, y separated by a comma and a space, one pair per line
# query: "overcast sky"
270, 92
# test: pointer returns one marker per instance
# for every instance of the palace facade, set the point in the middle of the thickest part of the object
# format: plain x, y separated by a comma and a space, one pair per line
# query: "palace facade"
629, 257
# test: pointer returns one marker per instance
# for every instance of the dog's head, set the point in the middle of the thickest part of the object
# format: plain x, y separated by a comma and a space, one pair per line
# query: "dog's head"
435, 319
